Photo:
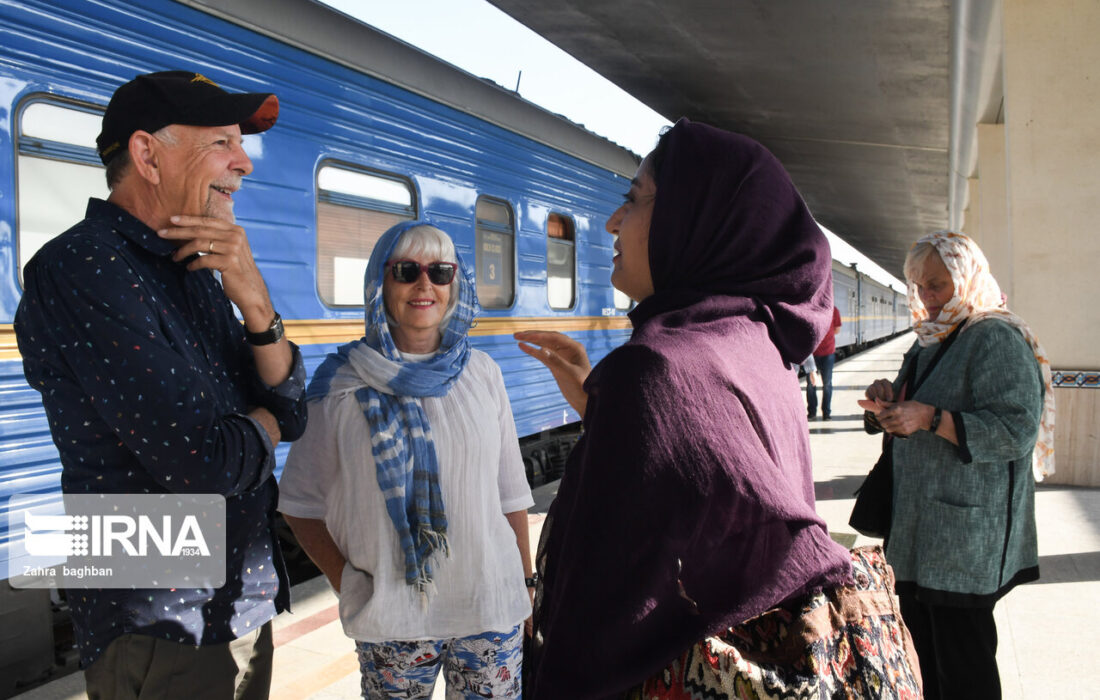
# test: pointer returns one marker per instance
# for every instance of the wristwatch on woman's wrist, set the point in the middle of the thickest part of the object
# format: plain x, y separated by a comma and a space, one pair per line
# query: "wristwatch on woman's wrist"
532, 581
936, 416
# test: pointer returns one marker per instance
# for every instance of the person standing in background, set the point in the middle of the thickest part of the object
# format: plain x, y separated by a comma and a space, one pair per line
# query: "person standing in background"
809, 368
974, 400
824, 357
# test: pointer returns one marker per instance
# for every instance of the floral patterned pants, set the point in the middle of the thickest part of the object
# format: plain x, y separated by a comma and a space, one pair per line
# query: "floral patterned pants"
487, 665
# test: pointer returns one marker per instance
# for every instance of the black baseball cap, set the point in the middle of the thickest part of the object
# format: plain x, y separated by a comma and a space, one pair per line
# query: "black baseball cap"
155, 100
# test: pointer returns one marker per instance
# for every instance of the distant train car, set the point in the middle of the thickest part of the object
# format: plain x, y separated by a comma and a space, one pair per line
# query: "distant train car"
869, 310
371, 132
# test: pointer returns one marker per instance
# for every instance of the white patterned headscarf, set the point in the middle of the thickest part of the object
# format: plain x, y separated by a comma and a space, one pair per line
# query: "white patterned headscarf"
978, 297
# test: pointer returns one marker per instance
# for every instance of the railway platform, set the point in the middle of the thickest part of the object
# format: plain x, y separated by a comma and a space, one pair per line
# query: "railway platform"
1046, 648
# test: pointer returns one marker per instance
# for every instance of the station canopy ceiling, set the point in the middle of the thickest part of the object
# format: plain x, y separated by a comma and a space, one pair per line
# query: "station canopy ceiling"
852, 97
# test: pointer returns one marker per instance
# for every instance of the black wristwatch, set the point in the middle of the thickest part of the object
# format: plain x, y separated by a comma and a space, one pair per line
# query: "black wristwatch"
273, 334
936, 416
532, 581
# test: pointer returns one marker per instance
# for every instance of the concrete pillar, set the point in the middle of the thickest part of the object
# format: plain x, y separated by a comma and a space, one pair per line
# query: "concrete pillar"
996, 240
1052, 137
972, 216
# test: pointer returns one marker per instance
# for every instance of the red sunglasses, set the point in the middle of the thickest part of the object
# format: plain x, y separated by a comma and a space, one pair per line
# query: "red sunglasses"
408, 271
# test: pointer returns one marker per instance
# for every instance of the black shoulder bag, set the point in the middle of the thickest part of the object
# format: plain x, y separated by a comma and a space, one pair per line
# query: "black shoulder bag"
873, 509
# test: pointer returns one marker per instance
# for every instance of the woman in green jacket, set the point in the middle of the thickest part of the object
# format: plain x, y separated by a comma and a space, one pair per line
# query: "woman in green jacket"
975, 428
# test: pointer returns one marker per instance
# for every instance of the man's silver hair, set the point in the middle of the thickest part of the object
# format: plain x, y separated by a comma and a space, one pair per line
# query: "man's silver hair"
120, 164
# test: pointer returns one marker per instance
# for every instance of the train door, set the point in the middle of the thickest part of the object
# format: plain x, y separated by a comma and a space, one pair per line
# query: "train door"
858, 306
894, 312
853, 304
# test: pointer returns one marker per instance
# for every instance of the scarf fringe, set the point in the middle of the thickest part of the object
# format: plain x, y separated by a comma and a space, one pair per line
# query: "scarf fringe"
434, 541
432, 544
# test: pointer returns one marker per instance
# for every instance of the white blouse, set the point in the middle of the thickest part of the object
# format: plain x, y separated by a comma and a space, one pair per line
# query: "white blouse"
330, 475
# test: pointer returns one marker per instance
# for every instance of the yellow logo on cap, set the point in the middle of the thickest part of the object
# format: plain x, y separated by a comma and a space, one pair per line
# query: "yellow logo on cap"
199, 78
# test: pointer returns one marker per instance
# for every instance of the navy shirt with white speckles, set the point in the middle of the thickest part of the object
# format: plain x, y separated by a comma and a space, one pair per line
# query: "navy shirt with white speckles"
147, 378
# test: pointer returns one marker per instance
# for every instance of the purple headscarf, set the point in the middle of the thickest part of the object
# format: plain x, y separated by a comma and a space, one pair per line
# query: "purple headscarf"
728, 221
687, 506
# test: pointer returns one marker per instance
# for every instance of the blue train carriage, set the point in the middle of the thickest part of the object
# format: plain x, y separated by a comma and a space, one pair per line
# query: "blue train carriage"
846, 299
371, 131
870, 311
886, 311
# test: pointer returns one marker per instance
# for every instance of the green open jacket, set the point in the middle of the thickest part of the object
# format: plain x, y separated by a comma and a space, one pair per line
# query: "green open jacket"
963, 529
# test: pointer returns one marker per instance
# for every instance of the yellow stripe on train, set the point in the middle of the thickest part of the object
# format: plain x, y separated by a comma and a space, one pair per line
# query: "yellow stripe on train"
9, 350
317, 331
320, 331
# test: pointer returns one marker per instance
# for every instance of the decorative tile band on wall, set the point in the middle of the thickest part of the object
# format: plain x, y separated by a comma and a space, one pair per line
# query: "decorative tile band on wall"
1075, 379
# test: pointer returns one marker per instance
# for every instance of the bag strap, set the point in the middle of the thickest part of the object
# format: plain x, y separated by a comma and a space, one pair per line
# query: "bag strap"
905, 393
931, 365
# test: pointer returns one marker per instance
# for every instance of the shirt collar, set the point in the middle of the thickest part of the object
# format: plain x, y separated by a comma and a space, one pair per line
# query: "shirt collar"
129, 226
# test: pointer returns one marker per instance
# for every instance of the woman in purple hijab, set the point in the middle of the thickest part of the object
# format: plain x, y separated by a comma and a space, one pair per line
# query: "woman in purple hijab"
683, 555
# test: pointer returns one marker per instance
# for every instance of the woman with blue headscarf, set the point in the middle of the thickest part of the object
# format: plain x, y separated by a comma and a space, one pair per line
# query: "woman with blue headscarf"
408, 490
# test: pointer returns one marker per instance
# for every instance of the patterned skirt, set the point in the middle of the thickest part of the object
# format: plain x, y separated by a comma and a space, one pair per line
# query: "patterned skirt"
842, 643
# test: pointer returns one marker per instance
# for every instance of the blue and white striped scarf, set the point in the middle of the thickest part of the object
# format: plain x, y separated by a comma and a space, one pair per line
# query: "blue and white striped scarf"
389, 390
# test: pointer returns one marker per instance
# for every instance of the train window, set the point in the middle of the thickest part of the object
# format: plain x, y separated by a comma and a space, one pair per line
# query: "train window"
57, 170
496, 271
46, 121
354, 209
561, 276
622, 301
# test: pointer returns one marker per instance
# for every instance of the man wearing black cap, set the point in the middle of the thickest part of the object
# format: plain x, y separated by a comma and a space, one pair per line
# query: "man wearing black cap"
152, 385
